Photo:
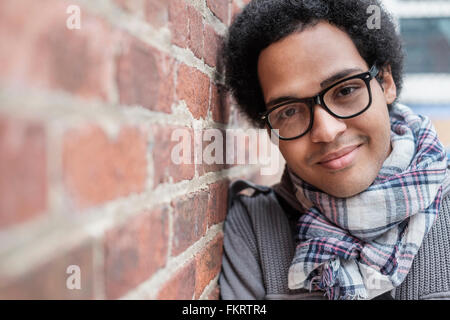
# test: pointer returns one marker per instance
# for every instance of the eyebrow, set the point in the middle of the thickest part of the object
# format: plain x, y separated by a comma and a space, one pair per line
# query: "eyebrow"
324, 84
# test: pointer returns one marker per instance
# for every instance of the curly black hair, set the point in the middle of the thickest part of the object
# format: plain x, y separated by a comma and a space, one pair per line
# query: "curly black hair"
263, 22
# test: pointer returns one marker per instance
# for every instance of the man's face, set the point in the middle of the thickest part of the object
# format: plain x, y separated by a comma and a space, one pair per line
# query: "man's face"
341, 157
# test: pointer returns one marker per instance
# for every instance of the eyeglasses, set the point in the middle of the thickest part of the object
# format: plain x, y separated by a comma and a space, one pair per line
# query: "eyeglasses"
345, 99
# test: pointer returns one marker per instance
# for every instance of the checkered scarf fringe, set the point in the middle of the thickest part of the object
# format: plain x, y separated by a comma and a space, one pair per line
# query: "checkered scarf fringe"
363, 246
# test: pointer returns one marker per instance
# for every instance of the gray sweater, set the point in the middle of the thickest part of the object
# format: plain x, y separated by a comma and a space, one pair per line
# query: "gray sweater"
259, 246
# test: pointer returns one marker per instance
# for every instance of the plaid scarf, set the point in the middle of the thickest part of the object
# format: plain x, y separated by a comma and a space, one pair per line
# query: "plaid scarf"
363, 246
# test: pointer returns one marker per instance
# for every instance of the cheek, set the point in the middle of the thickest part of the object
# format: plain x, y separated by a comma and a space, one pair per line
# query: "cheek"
293, 152
376, 126
375, 121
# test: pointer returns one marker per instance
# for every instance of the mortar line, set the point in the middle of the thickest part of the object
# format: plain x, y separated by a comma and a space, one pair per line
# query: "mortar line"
151, 287
210, 287
158, 38
18, 257
65, 108
127, 116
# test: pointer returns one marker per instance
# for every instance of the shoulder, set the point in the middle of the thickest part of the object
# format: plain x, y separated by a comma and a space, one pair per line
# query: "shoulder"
262, 213
236, 187
258, 224
240, 203
243, 207
260, 199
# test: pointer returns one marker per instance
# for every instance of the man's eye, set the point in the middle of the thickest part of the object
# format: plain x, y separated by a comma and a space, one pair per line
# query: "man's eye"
288, 112
346, 91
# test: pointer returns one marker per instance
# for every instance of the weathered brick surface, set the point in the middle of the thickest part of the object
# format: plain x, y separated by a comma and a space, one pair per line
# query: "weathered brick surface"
23, 171
190, 220
41, 52
165, 167
145, 77
217, 205
157, 12
49, 280
213, 152
213, 42
98, 169
135, 250
153, 64
208, 263
196, 35
181, 286
219, 8
193, 87
179, 22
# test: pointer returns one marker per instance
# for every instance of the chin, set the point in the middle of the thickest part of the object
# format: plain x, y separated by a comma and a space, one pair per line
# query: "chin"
348, 191
343, 194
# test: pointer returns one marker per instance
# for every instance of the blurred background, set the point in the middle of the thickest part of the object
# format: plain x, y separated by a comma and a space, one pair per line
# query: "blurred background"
425, 28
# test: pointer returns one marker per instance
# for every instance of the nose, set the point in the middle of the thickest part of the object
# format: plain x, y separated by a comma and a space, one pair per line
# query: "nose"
325, 126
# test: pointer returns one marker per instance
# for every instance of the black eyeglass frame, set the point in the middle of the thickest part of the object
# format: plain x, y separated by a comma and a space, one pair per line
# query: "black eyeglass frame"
318, 100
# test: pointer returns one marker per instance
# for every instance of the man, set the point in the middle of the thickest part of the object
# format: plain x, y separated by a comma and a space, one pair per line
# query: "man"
363, 208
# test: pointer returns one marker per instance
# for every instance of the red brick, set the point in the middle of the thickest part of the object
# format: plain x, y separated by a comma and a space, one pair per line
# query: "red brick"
186, 25
179, 22
209, 149
43, 53
217, 205
190, 220
220, 105
219, 8
165, 169
97, 169
135, 250
153, 11
157, 12
208, 264
23, 171
213, 42
145, 77
181, 286
48, 281
193, 87
196, 36
137, 77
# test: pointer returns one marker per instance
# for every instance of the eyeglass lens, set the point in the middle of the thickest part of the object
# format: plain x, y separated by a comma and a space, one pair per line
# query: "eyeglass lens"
343, 100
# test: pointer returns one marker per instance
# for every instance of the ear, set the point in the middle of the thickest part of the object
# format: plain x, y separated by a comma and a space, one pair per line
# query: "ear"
388, 84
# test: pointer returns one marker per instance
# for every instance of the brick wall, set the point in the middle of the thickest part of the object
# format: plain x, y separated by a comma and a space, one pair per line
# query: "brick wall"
86, 178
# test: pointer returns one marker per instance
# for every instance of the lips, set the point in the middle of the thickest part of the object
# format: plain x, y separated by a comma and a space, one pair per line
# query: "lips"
341, 158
